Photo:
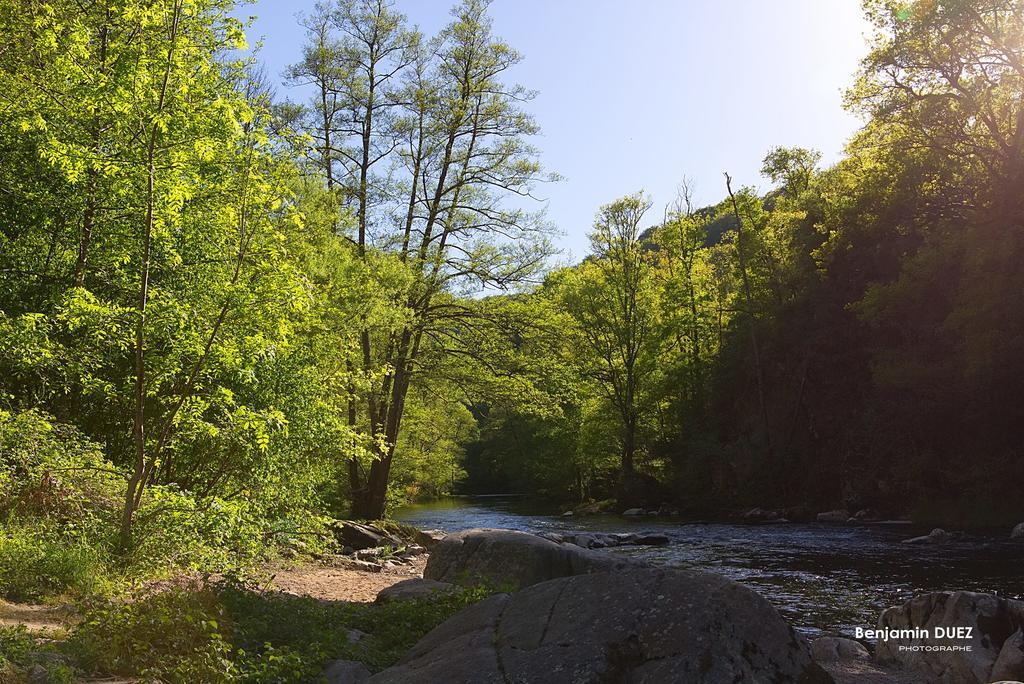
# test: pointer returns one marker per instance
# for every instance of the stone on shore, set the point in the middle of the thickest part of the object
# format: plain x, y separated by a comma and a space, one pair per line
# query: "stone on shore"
830, 649
993, 621
345, 672
415, 588
595, 507
508, 559
359, 536
1009, 664
427, 538
850, 663
644, 626
839, 515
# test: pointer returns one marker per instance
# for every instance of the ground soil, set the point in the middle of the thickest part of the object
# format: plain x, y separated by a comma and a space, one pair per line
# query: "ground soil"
39, 619
334, 581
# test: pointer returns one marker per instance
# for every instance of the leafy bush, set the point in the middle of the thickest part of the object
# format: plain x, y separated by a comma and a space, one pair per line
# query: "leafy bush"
16, 645
19, 652
271, 627
173, 636
48, 469
36, 563
232, 632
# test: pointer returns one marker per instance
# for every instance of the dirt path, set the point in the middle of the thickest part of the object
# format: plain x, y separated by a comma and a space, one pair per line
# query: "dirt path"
40, 620
335, 582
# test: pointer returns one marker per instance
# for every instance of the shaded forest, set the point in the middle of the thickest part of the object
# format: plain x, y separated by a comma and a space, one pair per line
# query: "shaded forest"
851, 338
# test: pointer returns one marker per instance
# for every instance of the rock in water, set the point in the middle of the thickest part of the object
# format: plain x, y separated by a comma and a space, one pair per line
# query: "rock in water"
1018, 532
601, 540
936, 536
647, 626
511, 559
991, 619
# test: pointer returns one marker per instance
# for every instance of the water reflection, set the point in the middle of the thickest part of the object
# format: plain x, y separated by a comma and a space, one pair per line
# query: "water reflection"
823, 578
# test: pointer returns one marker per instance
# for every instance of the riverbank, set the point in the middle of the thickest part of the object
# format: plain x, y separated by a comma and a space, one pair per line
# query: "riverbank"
285, 622
292, 618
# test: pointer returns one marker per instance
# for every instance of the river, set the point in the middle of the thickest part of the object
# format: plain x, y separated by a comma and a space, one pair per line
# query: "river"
823, 578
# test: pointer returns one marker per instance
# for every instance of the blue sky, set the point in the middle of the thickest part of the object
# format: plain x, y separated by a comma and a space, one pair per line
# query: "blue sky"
635, 94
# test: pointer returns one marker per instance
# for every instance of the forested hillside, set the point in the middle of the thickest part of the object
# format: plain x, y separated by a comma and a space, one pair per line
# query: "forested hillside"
850, 338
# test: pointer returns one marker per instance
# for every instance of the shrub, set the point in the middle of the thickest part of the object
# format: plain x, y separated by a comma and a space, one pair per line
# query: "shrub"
232, 632
16, 645
36, 563
48, 469
175, 635
268, 628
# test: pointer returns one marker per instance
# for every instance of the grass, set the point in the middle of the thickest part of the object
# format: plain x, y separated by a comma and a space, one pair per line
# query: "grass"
189, 631
35, 565
233, 632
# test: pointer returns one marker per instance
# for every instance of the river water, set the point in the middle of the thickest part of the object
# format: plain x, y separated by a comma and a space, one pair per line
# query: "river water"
823, 578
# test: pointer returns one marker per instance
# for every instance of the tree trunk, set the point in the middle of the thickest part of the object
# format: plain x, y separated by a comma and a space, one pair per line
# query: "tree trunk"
133, 493
751, 321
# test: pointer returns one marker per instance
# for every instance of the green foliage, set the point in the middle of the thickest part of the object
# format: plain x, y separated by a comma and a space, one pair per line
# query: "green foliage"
233, 632
16, 645
174, 635
37, 563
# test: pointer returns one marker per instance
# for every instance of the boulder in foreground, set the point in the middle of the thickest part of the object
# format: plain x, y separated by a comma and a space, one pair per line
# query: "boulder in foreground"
993, 623
345, 672
830, 649
644, 626
508, 559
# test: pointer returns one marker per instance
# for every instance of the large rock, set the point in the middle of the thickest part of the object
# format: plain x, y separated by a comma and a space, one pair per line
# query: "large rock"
512, 560
830, 649
646, 626
414, 588
1018, 532
345, 672
360, 536
991, 619
1009, 664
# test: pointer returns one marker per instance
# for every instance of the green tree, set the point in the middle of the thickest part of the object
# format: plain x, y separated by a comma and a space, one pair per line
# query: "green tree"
612, 300
463, 146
